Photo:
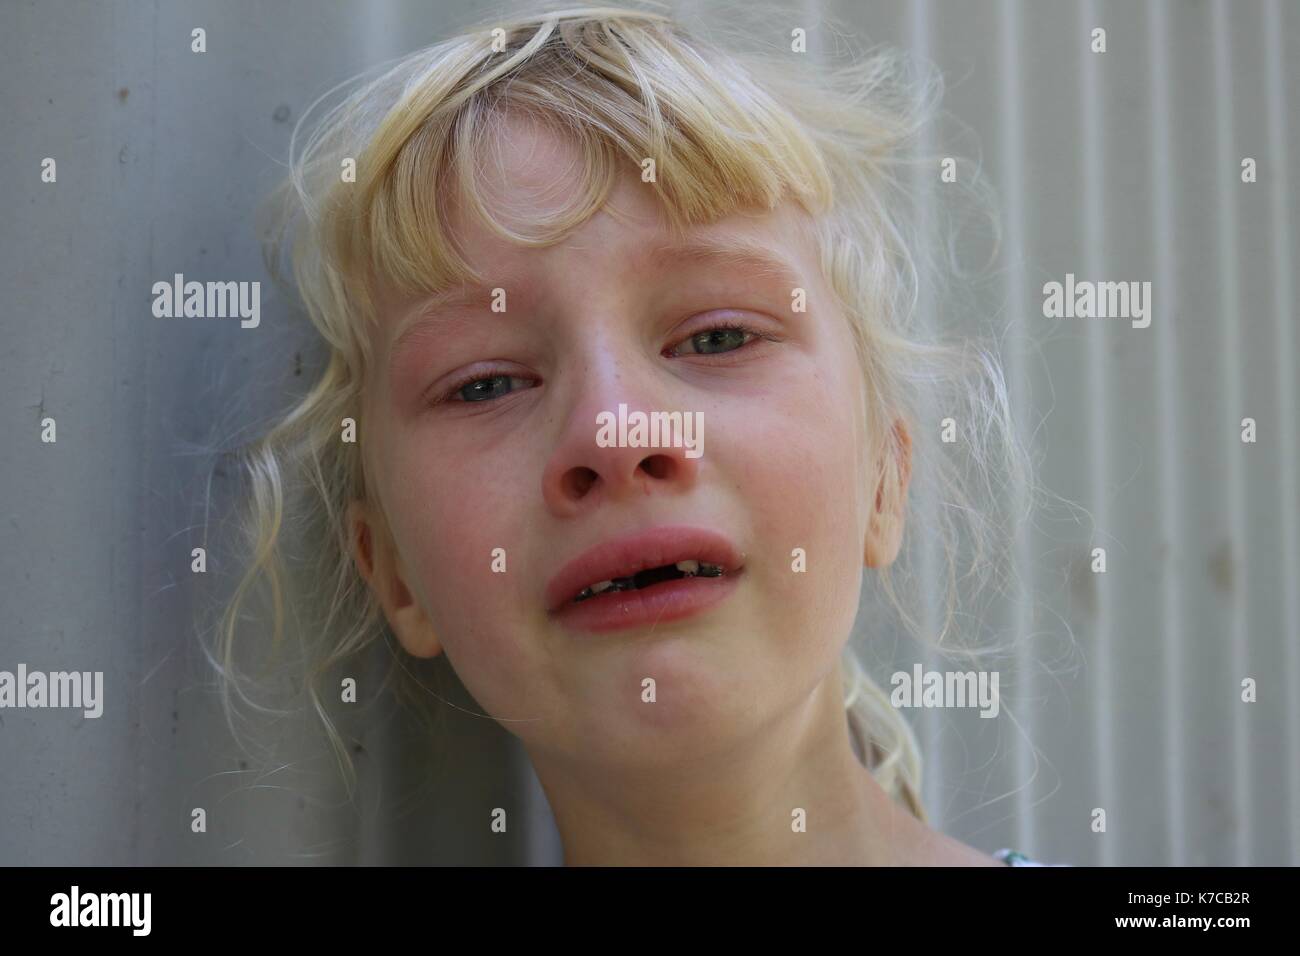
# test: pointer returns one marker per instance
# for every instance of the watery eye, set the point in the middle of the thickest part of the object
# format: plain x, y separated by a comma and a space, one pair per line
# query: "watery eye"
481, 389
717, 340
727, 337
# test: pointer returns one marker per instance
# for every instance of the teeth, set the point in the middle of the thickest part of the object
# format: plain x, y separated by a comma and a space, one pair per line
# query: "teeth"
701, 568
689, 569
597, 588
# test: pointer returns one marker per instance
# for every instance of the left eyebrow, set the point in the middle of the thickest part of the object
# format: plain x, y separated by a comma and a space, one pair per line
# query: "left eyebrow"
733, 251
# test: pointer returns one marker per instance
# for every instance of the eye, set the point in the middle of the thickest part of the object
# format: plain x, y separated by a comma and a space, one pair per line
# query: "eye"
718, 339
721, 338
479, 388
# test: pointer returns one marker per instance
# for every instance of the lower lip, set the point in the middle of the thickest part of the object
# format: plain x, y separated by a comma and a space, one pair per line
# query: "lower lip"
658, 604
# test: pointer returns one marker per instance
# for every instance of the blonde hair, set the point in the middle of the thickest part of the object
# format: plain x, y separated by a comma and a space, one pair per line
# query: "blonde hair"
728, 131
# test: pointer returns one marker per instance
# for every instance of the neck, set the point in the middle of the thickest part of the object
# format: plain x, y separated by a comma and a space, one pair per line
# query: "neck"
736, 807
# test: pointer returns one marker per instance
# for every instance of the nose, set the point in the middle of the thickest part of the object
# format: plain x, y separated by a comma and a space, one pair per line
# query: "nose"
584, 474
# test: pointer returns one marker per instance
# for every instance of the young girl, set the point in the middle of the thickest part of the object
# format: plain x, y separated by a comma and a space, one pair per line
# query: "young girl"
517, 237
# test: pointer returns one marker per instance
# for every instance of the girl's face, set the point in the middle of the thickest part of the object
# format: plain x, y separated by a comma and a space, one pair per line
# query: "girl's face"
508, 473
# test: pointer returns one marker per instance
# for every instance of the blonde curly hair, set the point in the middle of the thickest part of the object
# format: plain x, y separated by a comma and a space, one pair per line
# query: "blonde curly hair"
730, 130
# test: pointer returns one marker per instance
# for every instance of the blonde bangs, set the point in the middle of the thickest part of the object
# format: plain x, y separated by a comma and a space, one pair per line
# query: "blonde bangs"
622, 90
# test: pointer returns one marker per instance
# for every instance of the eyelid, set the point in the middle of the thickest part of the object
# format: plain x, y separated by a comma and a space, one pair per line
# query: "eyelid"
446, 394
727, 320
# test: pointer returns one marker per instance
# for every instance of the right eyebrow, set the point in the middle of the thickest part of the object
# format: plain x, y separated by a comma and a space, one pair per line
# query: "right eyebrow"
433, 314
457, 296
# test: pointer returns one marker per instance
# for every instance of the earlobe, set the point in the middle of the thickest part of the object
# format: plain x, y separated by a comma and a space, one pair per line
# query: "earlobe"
359, 538
381, 567
414, 630
884, 538
885, 528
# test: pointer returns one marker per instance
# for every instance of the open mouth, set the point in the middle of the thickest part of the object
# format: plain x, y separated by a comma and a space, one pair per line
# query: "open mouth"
653, 563
649, 577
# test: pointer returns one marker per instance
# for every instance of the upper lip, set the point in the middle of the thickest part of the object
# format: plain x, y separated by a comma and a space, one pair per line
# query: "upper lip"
624, 557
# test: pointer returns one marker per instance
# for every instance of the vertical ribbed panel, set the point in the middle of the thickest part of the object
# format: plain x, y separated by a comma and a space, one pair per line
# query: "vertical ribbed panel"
1168, 475
1126, 166
1281, 86
929, 726
1016, 291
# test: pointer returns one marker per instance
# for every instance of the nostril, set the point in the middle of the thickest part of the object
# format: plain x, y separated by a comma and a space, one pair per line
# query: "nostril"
657, 466
580, 481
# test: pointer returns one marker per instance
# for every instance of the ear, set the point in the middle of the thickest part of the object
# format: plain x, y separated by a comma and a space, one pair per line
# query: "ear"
894, 471
381, 567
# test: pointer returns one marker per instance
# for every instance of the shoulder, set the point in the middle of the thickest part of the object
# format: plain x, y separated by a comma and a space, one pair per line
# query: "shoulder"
1010, 857
942, 850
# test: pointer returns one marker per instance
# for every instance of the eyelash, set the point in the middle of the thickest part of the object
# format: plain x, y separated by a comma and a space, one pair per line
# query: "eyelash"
727, 325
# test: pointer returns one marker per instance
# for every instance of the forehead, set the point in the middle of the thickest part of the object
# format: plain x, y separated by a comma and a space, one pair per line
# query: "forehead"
529, 171
526, 169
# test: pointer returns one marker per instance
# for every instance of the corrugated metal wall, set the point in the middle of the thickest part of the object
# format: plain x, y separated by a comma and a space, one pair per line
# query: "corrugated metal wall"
1123, 165
1127, 166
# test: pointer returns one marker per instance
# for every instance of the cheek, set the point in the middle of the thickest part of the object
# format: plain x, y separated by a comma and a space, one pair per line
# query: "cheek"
457, 531
455, 511
451, 530
440, 515
789, 462
802, 485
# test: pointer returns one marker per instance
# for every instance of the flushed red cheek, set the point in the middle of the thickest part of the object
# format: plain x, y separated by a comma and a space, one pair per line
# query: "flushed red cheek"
801, 489
470, 552
477, 608
781, 449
